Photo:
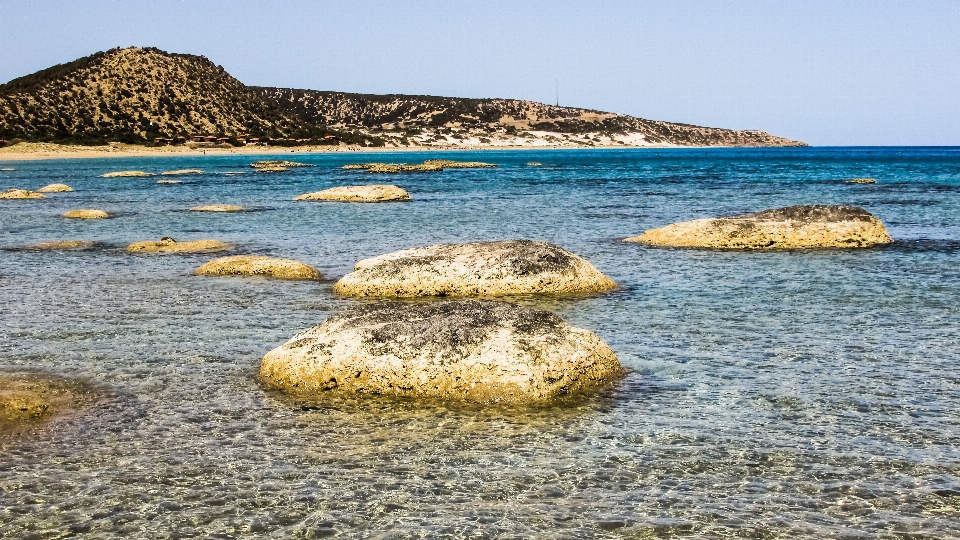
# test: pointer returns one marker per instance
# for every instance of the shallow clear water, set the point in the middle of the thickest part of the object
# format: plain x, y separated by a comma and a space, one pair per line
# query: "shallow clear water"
784, 394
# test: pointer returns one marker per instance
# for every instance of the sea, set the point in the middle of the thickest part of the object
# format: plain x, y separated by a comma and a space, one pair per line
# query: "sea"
809, 393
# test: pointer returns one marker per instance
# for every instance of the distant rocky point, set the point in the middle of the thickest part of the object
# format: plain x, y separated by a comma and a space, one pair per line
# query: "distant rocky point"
148, 96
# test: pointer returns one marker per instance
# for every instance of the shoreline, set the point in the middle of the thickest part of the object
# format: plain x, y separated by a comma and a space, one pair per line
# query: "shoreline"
42, 151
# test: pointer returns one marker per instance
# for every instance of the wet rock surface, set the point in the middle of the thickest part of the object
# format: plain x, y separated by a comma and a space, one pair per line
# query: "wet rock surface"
30, 400
179, 172
122, 174
371, 193
804, 226
428, 165
61, 244
254, 265
169, 245
474, 269
218, 208
466, 350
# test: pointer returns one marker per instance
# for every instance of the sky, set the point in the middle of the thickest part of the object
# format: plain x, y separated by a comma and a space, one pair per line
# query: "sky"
841, 72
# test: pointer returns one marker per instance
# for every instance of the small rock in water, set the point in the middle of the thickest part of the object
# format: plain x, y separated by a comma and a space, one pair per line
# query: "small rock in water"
277, 163
169, 245
29, 400
474, 269
7, 169
217, 208
181, 171
862, 181
428, 165
54, 188
254, 265
21, 194
372, 193
62, 244
534, 164
468, 350
783, 228
86, 213
119, 174
169, 181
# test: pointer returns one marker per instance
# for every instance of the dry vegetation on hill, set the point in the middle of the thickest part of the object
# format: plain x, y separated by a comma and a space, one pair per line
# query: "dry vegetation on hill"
136, 95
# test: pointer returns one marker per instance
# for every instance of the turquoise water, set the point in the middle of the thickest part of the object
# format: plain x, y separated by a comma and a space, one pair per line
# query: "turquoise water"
784, 394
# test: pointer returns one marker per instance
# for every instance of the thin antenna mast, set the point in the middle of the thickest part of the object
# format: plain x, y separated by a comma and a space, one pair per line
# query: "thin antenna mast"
556, 85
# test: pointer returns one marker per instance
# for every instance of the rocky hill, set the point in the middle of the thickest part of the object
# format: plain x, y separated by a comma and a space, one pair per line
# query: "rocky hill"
139, 94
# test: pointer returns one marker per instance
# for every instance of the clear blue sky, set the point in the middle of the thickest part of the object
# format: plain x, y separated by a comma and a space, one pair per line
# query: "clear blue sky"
826, 72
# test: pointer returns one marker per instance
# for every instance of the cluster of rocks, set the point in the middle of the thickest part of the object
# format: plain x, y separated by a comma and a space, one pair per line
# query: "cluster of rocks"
428, 165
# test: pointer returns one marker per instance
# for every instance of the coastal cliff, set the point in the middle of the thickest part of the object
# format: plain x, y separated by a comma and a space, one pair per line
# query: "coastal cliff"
145, 95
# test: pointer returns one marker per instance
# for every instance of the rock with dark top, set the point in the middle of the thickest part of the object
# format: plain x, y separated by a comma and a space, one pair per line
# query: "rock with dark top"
475, 269
783, 228
468, 350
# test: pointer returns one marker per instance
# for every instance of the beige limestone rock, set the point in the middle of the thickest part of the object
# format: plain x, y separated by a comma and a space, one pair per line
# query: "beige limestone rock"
29, 400
62, 244
783, 228
7, 169
474, 269
217, 208
169, 245
266, 163
181, 171
371, 193
254, 265
169, 181
120, 174
54, 188
534, 164
428, 165
862, 181
86, 213
465, 350
272, 168
21, 194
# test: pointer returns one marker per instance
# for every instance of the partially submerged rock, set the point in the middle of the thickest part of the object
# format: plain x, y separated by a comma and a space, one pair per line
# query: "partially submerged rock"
428, 165
119, 174
169, 181
534, 164
7, 169
862, 181
277, 163
86, 213
371, 193
54, 188
30, 400
272, 168
782, 228
62, 244
217, 208
169, 245
21, 194
467, 350
181, 171
254, 265
475, 269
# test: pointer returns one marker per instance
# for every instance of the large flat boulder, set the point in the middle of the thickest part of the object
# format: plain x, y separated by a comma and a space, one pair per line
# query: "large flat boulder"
180, 172
29, 400
21, 194
371, 193
54, 188
474, 269
467, 350
255, 265
124, 174
169, 245
783, 228
86, 213
218, 208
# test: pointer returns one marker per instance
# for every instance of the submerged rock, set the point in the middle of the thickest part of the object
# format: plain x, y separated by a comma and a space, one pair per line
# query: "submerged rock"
30, 400
119, 174
254, 265
181, 171
86, 213
372, 193
169, 245
475, 269
862, 181
21, 194
272, 168
469, 350
54, 188
62, 244
534, 164
169, 181
782, 228
217, 208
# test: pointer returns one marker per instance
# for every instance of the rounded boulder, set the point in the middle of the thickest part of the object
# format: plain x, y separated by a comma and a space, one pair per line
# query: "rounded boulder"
793, 227
465, 350
474, 269
254, 265
20, 194
54, 188
86, 213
